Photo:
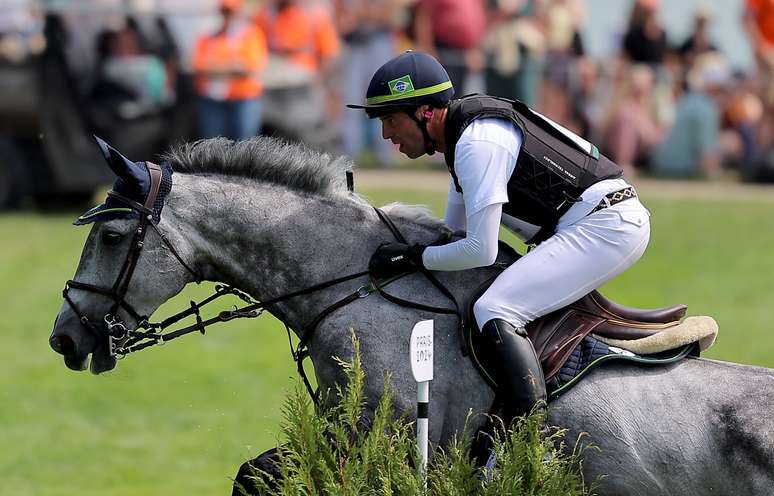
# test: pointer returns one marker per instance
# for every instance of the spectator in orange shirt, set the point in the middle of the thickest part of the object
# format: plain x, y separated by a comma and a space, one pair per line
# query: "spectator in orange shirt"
302, 31
227, 66
759, 22
304, 47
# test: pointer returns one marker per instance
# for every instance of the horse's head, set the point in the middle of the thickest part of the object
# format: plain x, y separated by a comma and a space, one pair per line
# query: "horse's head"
128, 266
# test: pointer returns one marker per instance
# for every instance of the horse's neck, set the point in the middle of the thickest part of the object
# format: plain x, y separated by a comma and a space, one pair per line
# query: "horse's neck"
269, 241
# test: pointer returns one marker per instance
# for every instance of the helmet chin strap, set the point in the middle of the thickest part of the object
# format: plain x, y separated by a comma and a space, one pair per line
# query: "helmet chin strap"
422, 124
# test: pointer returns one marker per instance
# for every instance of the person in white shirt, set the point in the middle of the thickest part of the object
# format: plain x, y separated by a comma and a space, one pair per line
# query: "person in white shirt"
513, 166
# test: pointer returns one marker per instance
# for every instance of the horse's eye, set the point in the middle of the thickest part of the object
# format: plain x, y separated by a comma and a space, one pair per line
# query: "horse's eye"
111, 238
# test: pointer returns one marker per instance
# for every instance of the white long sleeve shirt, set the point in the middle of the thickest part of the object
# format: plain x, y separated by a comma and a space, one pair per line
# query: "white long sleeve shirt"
485, 159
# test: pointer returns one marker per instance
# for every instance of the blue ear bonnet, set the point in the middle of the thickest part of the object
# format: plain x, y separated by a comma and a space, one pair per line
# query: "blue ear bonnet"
133, 182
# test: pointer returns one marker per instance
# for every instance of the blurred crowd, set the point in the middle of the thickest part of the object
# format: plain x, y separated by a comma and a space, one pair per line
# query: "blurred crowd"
677, 111
681, 111
288, 66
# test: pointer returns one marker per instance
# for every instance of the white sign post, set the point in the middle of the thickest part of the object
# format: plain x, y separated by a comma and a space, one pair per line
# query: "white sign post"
421, 351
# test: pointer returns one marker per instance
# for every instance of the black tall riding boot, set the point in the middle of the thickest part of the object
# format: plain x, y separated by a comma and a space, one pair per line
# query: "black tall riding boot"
519, 373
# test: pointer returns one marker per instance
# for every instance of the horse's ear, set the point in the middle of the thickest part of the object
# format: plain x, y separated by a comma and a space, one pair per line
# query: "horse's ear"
119, 164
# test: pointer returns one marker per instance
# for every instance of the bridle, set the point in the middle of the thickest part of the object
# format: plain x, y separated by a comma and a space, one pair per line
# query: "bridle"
123, 341
116, 327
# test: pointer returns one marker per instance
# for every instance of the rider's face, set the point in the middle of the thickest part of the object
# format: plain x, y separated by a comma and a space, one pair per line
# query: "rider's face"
399, 128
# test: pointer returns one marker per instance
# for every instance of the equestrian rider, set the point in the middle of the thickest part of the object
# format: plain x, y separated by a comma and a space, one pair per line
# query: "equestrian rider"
509, 165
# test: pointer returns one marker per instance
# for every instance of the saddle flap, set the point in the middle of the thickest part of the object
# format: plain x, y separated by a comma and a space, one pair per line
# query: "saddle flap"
558, 333
555, 335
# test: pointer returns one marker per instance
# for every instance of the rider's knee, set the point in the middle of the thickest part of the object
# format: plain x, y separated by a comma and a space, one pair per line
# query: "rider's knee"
489, 307
481, 311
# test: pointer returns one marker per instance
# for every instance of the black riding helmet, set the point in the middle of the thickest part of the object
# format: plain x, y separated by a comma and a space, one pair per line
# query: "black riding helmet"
404, 83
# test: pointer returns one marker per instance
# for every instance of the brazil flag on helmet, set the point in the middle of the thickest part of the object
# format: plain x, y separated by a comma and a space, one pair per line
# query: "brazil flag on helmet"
408, 80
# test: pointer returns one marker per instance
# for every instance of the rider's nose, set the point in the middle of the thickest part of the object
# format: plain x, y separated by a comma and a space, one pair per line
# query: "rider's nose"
64, 345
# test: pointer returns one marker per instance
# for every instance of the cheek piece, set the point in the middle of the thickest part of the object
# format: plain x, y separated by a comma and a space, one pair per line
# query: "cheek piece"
422, 123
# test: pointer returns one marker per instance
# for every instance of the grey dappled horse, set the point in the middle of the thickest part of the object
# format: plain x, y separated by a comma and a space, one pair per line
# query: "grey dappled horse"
270, 218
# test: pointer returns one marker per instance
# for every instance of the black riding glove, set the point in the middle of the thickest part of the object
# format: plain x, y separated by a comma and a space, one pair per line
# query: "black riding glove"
395, 258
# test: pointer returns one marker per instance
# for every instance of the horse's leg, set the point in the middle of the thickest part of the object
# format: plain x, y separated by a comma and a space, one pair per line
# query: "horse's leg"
259, 467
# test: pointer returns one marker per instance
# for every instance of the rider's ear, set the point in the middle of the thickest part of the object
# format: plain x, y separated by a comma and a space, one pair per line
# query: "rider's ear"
119, 164
423, 111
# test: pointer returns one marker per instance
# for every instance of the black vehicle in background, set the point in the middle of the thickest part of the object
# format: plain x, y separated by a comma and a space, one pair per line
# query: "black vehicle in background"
61, 83
48, 116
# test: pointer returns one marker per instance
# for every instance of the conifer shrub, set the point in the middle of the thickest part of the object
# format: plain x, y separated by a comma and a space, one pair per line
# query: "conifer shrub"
331, 451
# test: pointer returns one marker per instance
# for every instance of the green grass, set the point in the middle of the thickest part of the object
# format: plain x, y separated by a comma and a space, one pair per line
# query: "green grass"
180, 419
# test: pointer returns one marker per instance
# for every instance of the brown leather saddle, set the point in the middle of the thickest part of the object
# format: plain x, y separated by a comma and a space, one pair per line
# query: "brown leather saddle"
556, 335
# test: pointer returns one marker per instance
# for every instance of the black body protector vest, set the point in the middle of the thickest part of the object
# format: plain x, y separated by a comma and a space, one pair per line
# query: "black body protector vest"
554, 165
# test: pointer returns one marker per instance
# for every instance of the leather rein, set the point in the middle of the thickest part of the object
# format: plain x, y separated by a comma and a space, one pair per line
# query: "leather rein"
123, 341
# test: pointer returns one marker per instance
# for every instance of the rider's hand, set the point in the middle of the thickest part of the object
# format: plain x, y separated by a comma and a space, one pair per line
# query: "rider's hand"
395, 258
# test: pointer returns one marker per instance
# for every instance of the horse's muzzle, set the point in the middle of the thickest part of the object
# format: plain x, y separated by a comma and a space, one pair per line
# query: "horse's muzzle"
62, 344
70, 341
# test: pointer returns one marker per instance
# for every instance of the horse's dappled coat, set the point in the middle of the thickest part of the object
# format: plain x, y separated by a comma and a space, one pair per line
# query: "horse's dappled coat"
665, 431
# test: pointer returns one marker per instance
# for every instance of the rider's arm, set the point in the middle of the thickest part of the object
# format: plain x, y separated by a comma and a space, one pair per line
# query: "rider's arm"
455, 210
485, 156
477, 249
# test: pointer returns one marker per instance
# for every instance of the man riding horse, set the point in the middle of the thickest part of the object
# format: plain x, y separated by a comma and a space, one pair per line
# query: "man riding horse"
509, 165
692, 427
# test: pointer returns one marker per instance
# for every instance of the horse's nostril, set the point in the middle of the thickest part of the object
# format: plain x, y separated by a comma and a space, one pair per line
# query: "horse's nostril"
63, 345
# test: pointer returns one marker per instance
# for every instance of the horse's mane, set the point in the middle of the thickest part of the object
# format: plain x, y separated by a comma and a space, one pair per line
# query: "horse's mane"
281, 162
263, 158
419, 214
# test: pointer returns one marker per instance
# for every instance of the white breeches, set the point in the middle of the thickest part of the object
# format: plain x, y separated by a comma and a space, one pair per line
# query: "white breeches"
576, 260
